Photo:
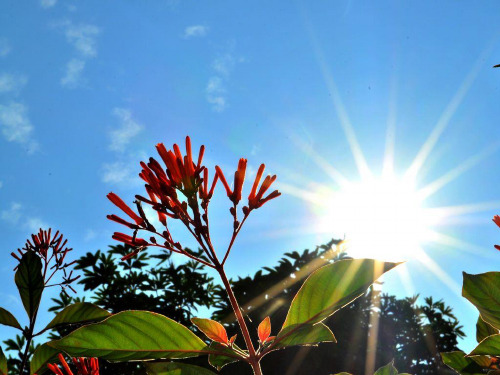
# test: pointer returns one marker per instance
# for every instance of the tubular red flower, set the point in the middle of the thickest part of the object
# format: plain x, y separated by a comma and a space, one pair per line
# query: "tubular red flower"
239, 177
84, 366
129, 240
256, 200
117, 201
496, 220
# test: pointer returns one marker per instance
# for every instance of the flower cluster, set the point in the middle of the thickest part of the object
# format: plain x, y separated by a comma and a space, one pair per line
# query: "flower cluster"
496, 220
52, 249
182, 191
84, 366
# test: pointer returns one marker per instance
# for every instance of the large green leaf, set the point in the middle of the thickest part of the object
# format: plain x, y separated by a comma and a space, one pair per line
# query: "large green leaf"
484, 330
331, 287
388, 369
3, 363
133, 335
483, 291
6, 318
489, 346
43, 355
175, 368
29, 281
304, 334
461, 364
80, 312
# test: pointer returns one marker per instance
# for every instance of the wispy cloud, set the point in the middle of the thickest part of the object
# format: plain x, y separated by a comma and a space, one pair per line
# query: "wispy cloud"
16, 125
4, 47
16, 215
122, 173
13, 214
195, 31
216, 94
83, 37
12, 82
73, 75
129, 128
48, 3
224, 64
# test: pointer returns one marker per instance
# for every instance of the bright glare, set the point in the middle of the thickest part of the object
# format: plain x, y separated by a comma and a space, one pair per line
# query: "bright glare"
381, 218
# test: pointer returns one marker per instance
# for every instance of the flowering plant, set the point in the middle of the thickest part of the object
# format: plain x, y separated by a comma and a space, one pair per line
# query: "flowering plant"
181, 190
483, 290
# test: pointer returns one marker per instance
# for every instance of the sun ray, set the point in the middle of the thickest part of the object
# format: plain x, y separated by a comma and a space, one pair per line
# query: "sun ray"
454, 173
450, 211
463, 246
446, 116
390, 138
338, 104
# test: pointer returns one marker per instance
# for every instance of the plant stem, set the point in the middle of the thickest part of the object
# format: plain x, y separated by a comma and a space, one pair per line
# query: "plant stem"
253, 360
29, 338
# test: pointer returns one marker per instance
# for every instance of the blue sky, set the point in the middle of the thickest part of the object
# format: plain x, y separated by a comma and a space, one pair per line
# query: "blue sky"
88, 88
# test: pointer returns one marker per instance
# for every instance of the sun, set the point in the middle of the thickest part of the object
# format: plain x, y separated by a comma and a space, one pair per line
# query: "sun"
383, 217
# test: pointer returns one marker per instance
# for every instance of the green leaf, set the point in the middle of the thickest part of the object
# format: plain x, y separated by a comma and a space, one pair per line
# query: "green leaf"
303, 334
6, 318
484, 330
331, 287
78, 313
133, 335
218, 360
175, 368
343, 373
489, 346
43, 355
388, 369
460, 363
212, 329
3, 363
29, 281
483, 291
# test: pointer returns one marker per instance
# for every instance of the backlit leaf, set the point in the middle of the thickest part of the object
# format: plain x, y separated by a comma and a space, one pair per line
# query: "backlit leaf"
460, 363
43, 355
388, 369
3, 363
305, 334
484, 330
483, 291
331, 287
29, 281
6, 318
489, 346
78, 313
212, 329
175, 368
219, 360
264, 329
132, 335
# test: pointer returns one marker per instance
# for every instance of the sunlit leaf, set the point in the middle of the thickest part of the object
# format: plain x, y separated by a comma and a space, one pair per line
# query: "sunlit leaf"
264, 329
483, 291
484, 330
460, 363
43, 355
388, 369
132, 335
175, 368
78, 313
219, 360
331, 287
6, 318
3, 363
29, 281
304, 334
212, 329
489, 346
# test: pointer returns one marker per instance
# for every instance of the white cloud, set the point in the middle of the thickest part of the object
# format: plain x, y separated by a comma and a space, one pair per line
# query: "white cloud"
35, 223
12, 82
121, 173
90, 235
4, 47
83, 37
129, 128
195, 31
48, 3
13, 214
16, 126
224, 64
73, 76
216, 94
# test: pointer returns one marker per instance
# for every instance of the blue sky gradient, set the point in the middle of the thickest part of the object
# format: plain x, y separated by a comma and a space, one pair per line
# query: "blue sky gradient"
88, 88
